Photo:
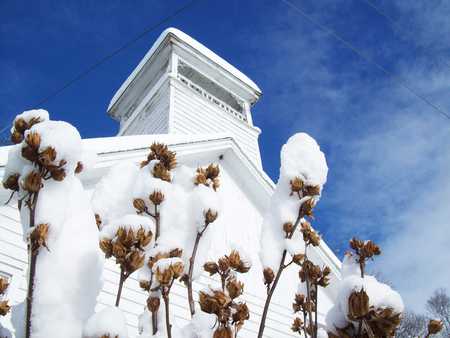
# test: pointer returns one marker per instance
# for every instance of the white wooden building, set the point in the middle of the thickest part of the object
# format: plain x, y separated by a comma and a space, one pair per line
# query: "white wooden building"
186, 96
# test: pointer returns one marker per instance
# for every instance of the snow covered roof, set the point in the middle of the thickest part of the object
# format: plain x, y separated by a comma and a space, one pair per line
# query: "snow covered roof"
186, 39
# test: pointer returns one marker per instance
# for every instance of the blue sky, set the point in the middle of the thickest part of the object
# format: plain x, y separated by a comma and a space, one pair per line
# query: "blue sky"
388, 151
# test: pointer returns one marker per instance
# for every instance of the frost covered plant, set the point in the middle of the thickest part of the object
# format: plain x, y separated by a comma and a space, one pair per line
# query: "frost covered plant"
230, 312
126, 240
208, 177
166, 267
364, 306
303, 173
312, 277
163, 161
4, 307
53, 207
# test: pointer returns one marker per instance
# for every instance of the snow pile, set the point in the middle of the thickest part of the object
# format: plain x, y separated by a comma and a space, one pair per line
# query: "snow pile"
128, 222
34, 114
109, 321
302, 158
69, 272
112, 196
381, 296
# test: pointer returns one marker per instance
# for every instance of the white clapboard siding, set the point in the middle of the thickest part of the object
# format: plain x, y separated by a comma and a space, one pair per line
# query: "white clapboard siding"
193, 114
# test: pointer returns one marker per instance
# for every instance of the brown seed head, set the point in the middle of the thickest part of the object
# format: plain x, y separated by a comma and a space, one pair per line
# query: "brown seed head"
288, 227
3, 285
435, 326
20, 125
312, 190
297, 325
4, 307
223, 332
235, 288
79, 168
296, 185
33, 139
107, 247
12, 182
210, 216
177, 252
224, 264
29, 153
98, 220
177, 269
156, 197
161, 172
58, 174
139, 205
358, 305
16, 137
144, 285
38, 237
211, 267
164, 277
153, 304
268, 276
47, 157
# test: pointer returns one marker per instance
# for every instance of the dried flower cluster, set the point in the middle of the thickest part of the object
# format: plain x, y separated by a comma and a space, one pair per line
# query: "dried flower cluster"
20, 126
313, 277
166, 161
4, 307
223, 303
127, 247
166, 267
364, 250
366, 320
208, 176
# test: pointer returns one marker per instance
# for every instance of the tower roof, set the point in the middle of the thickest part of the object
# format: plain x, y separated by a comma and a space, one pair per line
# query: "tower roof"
195, 45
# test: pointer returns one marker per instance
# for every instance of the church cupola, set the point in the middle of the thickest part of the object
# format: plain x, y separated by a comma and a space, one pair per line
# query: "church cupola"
182, 87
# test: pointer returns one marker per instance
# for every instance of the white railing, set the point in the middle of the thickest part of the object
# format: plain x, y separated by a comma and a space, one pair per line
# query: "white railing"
200, 91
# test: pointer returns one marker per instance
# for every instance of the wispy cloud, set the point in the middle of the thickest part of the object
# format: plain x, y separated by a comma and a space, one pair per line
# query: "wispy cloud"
388, 151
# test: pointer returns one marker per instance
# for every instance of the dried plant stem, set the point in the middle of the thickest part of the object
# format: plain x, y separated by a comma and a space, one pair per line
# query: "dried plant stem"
316, 296
122, 279
33, 258
269, 295
165, 294
157, 223
272, 288
308, 294
191, 271
154, 322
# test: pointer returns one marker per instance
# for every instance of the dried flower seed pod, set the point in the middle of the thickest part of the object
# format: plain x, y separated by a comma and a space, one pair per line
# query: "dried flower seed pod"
153, 304
139, 205
38, 237
156, 197
210, 216
177, 252
223, 332
4, 307
144, 285
297, 325
58, 174
20, 125
268, 276
16, 137
358, 305
435, 326
235, 288
296, 185
79, 168
107, 247
3, 285
33, 139
211, 267
224, 264
98, 220
47, 157
12, 182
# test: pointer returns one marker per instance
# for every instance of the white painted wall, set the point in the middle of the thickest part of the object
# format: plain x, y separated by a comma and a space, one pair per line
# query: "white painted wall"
239, 223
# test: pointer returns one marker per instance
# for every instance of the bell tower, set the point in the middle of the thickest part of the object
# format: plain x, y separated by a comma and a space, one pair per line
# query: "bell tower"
182, 87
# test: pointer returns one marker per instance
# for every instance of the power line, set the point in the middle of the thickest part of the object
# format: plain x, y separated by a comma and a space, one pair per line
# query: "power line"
396, 26
108, 57
350, 46
115, 52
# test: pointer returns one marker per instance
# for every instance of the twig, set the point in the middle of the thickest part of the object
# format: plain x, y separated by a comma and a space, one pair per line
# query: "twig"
122, 279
